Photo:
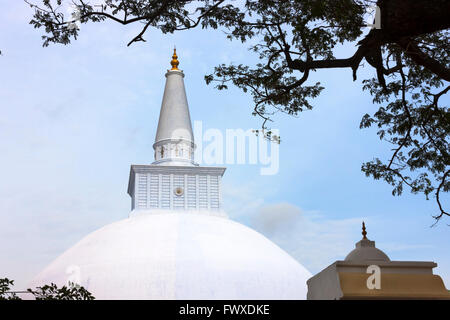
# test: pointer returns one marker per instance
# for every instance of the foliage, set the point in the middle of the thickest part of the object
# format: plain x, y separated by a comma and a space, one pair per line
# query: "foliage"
408, 52
48, 292
412, 119
5, 287
69, 292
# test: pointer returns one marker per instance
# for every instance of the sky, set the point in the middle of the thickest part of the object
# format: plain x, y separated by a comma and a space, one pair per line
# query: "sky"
74, 118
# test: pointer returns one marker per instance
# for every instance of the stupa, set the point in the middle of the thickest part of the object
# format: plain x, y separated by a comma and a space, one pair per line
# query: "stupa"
177, 242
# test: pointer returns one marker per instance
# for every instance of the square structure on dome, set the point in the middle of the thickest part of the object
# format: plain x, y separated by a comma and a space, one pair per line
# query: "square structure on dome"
175, 187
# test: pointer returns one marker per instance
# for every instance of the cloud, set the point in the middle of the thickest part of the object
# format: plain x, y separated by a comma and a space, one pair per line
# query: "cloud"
272, 219
312, 239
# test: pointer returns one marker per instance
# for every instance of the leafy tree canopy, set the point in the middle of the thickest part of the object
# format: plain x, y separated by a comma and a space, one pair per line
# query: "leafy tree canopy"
5, 293
408, 49
48, 292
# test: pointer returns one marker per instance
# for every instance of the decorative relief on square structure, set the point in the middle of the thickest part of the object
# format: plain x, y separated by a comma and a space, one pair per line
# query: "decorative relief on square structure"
189, 188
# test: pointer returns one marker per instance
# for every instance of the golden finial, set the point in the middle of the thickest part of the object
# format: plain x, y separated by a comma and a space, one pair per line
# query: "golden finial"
174, 61
364, 233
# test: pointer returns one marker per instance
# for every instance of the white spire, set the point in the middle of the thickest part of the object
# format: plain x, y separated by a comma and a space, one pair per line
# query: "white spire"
174, 142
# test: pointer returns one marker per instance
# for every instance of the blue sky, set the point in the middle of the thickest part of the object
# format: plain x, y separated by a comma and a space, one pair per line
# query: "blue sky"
73, 118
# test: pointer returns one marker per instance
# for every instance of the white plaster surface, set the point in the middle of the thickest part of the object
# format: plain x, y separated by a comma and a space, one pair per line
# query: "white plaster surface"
179, 256
365, 250
174, 119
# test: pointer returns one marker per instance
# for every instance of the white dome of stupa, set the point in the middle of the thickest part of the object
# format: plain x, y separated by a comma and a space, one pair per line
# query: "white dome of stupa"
178, 256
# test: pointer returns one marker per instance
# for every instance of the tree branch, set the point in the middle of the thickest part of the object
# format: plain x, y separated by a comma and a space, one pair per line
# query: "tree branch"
419, 57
